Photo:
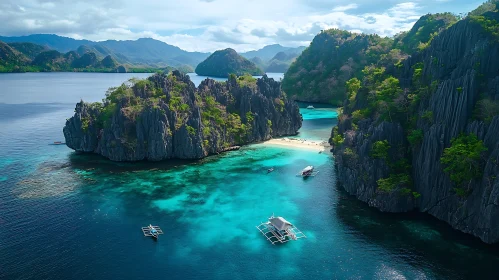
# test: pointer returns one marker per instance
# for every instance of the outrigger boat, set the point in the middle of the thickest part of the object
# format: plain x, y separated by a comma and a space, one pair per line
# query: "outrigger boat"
310, 107
278, 229
152, 231
308, 172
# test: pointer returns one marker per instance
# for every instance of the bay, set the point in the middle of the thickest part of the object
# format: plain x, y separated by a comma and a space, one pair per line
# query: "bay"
67, 215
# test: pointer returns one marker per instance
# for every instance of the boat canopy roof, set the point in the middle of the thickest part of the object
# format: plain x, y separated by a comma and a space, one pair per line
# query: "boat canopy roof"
308, 168
280, 223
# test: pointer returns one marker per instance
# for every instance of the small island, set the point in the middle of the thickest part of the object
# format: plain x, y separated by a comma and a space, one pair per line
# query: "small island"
222, 63
166, 117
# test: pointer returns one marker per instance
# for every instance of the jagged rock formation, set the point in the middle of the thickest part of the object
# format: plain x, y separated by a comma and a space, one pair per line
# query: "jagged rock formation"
167, 117
222, 63
448, 88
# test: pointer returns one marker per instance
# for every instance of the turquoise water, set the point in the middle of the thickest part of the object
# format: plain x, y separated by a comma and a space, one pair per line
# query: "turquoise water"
67, 215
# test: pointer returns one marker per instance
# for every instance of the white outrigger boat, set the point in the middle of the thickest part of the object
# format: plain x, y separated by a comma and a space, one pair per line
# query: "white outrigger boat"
152, 231
308, 172
310, 107
278, 229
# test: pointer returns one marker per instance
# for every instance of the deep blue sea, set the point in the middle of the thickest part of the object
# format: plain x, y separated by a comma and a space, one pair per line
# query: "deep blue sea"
70, 216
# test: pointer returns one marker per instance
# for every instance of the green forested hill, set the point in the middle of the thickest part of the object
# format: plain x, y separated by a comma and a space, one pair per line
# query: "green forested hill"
335, 56
29, 57
222, 63
423, 31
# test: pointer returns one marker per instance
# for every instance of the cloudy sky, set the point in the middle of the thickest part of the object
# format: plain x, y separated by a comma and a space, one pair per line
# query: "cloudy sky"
207, 25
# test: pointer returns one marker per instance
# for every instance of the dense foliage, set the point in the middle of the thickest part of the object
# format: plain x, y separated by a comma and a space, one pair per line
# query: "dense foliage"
488, 6
222, 63
423, 32
462, 159
335, 56
377, 95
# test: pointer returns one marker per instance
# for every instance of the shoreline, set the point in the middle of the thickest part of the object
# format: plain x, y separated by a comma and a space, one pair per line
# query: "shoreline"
313, 145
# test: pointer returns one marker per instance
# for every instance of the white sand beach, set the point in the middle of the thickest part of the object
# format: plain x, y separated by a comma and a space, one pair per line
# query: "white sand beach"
300, 144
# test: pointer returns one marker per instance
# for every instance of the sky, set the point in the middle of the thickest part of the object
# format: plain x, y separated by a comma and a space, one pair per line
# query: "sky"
208, 25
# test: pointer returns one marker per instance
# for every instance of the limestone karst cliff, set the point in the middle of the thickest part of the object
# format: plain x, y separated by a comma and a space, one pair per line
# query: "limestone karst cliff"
166, 117
401, 125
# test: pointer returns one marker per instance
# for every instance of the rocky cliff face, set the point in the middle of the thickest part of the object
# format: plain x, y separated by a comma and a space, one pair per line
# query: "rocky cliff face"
452, 78
167, 117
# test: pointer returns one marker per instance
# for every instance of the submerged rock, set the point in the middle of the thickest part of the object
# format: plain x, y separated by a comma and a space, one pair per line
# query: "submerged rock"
167, 117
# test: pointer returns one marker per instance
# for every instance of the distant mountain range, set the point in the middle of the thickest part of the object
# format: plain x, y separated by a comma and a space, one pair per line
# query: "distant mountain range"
29, 57
274, 58
269, 52
145, 52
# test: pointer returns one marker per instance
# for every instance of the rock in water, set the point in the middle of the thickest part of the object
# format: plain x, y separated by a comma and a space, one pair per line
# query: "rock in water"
167, 117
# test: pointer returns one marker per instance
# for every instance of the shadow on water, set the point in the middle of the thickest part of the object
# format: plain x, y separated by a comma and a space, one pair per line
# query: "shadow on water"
421, 239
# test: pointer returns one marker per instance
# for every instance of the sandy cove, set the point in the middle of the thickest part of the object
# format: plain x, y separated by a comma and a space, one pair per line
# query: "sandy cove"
300, 144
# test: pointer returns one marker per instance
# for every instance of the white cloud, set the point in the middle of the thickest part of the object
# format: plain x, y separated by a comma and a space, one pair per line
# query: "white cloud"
207, 25
345, 8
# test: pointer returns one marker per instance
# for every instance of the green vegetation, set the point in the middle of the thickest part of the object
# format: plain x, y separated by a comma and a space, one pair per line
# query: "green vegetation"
28, 57
380, 149
489, 25
350, 157
221, 126
376, 95
394, 181
428, 116
222, 63
246, 80
488, 6
191, 130
325, 70
337, 137
423, 32
333, 58
486, 109
462, 159
353, 86
415, 137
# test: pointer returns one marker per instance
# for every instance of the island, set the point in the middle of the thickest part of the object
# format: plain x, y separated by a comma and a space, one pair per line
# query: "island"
222, 63
167, 117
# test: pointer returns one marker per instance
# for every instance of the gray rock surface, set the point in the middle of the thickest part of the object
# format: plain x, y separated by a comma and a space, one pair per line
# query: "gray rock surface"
463, 60
160, 132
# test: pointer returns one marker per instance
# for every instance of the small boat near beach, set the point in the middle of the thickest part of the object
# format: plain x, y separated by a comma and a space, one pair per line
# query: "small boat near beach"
310, 107
307, 172
270, 170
